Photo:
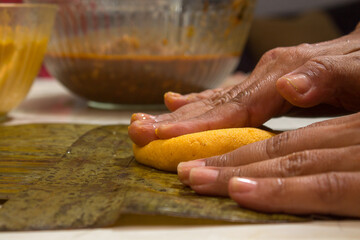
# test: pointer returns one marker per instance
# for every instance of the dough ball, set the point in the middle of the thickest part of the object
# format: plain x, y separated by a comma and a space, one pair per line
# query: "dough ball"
167, 154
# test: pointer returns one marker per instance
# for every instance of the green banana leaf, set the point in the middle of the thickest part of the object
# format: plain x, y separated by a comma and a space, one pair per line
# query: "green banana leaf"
96, 182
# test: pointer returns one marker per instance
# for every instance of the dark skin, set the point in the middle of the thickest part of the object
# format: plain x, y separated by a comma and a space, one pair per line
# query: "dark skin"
315, 169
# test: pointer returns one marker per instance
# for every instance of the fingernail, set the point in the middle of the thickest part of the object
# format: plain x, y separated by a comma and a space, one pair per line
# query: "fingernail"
133, 117
172, 95
164, 127
142, 126
184, 169
242, 185
141, 116
202, 176
161, 129
300, 82
140, 123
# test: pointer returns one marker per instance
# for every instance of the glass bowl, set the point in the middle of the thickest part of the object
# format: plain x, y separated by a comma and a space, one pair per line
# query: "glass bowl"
24, 34
117, 53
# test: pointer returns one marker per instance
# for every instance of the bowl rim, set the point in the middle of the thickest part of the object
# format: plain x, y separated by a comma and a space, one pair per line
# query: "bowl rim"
29, 5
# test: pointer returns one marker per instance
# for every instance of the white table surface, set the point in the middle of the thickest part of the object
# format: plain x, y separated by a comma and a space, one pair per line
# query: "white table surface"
49, 102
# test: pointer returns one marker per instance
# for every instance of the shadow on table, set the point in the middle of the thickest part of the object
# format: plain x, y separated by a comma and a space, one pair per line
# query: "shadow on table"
52, 104
160, 220
61, 103
322, 110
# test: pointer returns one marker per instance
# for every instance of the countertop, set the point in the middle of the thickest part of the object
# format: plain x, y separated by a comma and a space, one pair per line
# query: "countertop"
50, 102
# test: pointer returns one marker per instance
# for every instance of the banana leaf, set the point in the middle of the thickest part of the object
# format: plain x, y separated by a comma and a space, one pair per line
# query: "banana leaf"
28, 150
97, 183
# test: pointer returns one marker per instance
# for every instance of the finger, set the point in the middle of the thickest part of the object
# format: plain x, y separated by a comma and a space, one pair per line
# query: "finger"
236, 108
174, 101
170, 99
277, 147
186, 111
330, 193
224, 116
214, 180
141, 131
206, 180
321, 137
180, 114
330, 79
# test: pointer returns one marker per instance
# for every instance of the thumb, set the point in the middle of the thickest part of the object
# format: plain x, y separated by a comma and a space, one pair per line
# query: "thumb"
313, 83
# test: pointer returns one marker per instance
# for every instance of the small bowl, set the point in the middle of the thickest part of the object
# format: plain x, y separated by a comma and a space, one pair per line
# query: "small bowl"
130, 52
24, 34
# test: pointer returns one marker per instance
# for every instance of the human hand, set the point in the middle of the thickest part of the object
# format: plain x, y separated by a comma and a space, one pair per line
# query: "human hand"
315, 169
304, 76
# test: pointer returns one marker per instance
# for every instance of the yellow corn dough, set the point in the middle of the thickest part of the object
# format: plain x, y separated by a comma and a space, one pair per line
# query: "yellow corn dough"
167, 154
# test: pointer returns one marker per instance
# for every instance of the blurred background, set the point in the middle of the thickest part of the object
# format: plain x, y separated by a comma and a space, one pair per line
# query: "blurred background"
290, 22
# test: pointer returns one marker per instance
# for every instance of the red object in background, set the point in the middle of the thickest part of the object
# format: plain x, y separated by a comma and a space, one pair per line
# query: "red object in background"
43, 72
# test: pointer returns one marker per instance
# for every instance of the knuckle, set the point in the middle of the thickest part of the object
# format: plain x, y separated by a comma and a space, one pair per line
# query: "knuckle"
320, 66
240, 92
286, 54
225, 174
294, 164
221, 98
330, 188
304, 46
236, 171
355, 58
301, 51
275, 146
216, 95
172, 117
219, 161
272, 55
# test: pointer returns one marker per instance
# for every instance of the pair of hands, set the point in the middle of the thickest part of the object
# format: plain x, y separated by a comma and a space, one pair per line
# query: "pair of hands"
315, 169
